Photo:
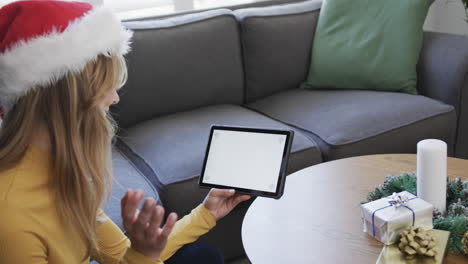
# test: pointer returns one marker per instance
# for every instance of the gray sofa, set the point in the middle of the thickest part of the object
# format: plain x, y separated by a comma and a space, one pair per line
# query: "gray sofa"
245, 68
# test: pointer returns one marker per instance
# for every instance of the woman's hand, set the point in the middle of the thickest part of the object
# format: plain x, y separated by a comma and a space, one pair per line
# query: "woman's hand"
220, 202
143, 227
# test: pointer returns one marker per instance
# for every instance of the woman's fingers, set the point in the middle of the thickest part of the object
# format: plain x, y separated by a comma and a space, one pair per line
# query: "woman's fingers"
139, 226
129, 207
237, 199
123, 202
155, 223
133, 202
170, 222
222, 193
143, 227
240, 198
135, 217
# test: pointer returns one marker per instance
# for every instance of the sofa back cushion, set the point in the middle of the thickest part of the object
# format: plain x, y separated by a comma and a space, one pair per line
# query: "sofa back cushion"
276, 43
181, 63
368, 45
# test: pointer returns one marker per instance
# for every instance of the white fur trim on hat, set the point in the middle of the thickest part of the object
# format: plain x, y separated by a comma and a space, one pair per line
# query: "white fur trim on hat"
46, 59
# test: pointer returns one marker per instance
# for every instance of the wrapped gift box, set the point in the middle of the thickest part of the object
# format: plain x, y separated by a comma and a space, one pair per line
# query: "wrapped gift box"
384, 221
392, 255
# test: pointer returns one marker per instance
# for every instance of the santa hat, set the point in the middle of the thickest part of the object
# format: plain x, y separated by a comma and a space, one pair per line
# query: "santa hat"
41, 41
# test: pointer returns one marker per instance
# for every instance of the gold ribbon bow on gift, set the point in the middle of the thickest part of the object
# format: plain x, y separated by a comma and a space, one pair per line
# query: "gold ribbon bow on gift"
416, 241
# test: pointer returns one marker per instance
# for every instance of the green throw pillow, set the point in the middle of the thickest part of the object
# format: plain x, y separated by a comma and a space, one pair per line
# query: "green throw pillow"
368, 44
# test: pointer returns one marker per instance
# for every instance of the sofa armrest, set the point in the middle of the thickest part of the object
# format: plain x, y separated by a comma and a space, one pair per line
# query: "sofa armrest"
125, 175
443, 75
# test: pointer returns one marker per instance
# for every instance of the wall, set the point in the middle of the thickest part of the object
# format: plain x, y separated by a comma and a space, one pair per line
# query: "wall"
94, 2
447, 16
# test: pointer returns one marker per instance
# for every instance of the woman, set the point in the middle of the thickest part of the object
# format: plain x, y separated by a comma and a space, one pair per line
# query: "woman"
60, 66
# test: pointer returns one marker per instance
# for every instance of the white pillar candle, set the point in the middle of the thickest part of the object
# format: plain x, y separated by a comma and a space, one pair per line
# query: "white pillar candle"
431, 172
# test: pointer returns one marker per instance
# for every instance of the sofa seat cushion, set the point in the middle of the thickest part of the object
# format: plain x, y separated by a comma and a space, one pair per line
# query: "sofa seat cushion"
348, 123
126, 175
173, 147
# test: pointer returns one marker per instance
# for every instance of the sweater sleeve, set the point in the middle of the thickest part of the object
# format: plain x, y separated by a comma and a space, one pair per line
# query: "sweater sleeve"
115, 246
188, 229
18, 244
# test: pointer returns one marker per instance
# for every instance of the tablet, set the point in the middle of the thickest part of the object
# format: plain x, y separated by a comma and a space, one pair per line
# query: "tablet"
250, 160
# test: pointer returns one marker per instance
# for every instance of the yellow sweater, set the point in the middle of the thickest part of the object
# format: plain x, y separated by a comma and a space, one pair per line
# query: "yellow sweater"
31, 232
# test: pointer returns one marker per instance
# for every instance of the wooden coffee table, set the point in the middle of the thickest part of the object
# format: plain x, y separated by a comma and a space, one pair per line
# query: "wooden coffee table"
318, 220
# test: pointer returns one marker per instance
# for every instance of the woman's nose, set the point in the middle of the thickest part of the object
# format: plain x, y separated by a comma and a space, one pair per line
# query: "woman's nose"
116, 98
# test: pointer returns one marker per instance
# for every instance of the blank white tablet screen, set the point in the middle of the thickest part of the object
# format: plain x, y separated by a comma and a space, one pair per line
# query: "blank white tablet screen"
245, 160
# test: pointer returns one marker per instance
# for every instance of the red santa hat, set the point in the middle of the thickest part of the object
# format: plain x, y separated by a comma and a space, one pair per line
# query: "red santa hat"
42, 40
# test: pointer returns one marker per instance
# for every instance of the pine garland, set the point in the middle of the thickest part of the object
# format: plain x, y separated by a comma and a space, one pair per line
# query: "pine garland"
394, 183
455, 218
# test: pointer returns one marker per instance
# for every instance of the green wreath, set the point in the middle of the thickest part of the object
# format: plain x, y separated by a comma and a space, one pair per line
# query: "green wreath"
455, 218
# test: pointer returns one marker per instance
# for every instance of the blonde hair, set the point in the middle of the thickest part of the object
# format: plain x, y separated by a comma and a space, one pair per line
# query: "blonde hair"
81, 136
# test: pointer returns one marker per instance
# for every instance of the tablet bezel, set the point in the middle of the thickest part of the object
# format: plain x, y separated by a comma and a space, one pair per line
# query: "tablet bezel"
284, 162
